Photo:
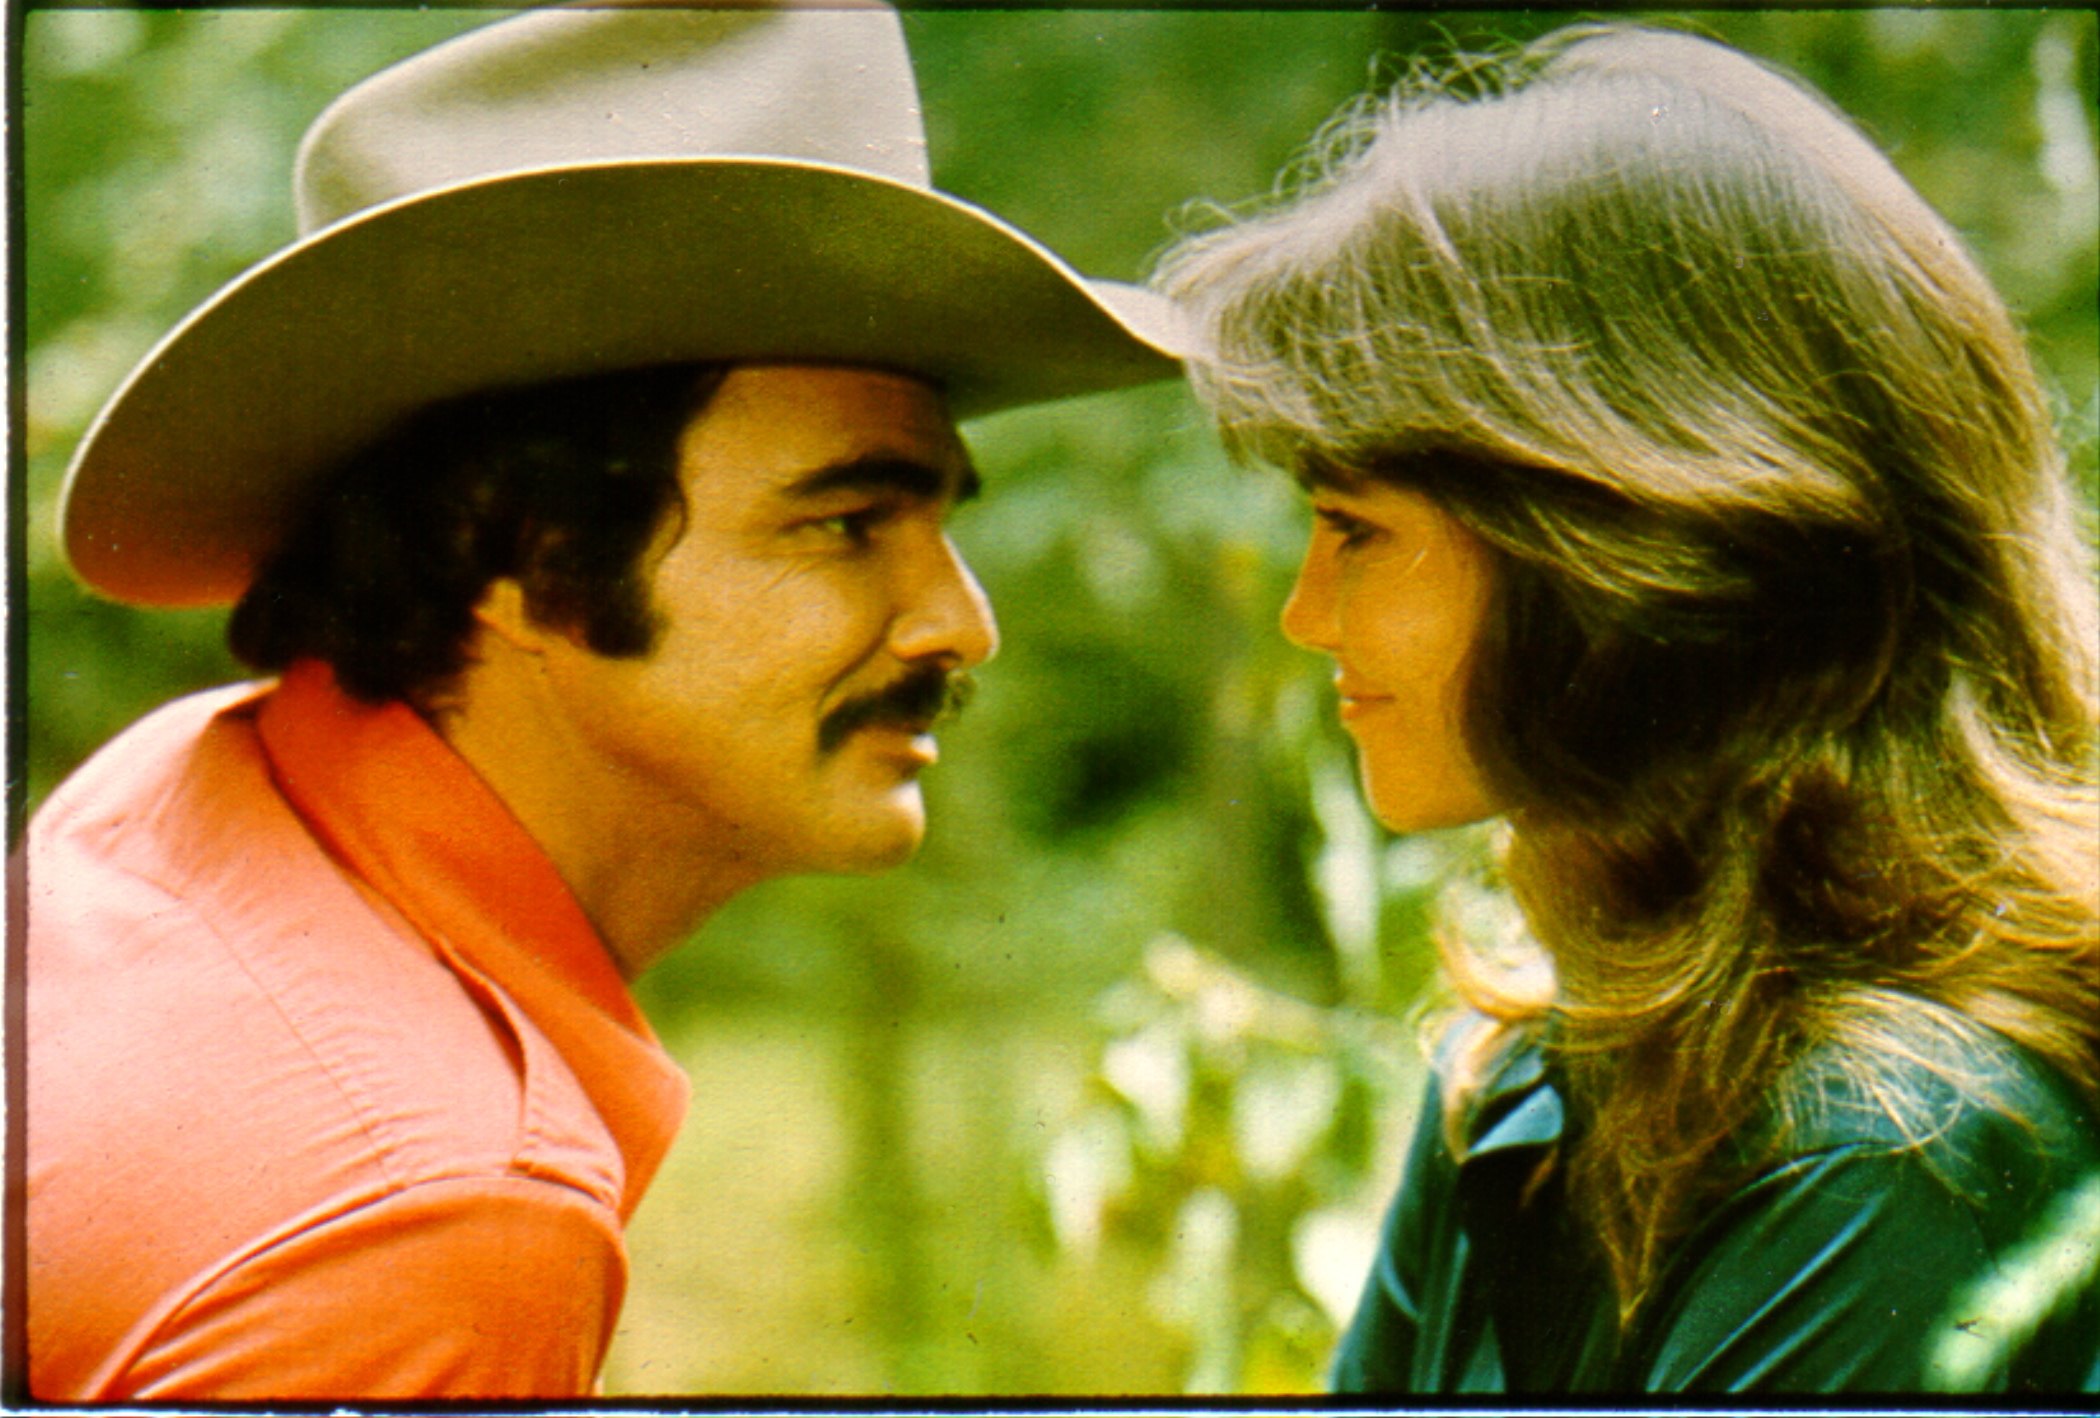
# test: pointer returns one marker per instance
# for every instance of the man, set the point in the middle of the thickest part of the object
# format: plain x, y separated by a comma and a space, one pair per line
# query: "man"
582, 473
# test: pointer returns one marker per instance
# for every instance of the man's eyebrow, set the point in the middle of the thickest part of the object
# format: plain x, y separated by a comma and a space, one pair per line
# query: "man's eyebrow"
883, 474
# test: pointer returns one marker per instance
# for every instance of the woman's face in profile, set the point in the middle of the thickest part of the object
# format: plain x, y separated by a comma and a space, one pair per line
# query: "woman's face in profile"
1394, 590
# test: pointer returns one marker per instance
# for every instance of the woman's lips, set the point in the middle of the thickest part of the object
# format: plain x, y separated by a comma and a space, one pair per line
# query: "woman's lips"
1357, 699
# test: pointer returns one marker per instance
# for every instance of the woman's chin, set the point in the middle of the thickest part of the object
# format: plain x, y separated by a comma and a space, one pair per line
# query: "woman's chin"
1406, 803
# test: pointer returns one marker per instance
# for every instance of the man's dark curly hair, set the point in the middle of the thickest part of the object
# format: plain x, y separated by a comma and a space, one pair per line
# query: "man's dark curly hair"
560, 485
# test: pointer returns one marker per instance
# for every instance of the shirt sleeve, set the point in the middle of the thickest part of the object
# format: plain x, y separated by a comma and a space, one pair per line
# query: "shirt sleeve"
1841, 1271
471, 1288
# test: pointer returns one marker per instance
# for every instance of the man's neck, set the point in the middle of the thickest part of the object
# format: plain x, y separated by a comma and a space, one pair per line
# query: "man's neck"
632, 857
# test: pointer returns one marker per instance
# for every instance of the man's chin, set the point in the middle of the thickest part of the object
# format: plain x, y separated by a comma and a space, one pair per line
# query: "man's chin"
888, 837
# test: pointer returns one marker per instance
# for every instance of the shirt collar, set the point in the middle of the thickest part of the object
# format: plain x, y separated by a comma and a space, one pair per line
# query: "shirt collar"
1519, 1106
393, 801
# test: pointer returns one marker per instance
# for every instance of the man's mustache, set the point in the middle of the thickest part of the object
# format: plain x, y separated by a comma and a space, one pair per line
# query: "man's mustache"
921, 698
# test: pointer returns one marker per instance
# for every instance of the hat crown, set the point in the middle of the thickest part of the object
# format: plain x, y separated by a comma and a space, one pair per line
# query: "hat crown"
578, 190
576, 86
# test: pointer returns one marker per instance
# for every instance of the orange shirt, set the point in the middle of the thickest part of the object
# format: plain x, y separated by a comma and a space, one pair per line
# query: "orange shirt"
333, 1092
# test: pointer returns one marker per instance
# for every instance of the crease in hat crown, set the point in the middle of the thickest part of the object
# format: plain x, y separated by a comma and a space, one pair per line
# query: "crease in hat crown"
570, 190
579, 86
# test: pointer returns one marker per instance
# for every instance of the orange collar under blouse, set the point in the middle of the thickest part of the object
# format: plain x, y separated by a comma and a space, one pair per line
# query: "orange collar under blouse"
393, 801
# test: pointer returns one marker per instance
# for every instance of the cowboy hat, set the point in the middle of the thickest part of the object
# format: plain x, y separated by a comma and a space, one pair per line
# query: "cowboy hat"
568, 191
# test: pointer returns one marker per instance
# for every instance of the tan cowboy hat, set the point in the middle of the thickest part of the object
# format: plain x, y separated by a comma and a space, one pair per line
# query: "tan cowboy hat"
575, 190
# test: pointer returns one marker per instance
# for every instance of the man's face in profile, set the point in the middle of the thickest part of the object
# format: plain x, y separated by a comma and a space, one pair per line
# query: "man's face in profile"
811, 611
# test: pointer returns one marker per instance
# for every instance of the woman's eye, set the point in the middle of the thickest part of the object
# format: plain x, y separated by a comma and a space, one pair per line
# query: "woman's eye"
1351, 530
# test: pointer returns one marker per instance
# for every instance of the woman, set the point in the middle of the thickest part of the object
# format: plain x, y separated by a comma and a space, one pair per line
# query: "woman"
1684, 498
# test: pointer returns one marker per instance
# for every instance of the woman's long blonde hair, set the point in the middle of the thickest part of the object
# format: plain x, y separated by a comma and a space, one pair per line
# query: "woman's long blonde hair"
1790, 680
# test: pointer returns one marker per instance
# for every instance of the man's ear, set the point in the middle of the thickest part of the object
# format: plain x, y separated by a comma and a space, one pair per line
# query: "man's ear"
503, 613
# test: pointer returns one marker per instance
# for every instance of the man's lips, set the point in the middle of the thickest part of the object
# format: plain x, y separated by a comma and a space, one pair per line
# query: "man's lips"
913, 742
910, 707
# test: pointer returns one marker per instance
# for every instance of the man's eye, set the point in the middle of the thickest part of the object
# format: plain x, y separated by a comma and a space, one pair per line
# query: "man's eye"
855, 526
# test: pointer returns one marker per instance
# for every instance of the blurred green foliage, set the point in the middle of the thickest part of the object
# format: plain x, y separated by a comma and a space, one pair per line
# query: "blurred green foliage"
1101, 1094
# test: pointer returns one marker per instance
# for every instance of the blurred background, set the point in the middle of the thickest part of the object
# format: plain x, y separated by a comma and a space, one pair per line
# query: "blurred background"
1105, 1092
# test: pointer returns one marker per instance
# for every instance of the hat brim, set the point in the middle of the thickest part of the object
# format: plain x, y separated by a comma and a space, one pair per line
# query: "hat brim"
193, 469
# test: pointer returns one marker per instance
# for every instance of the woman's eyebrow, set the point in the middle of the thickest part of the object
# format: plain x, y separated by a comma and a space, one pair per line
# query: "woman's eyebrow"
1314, 474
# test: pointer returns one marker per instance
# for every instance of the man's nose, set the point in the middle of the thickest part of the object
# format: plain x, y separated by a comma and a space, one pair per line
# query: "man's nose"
945, 613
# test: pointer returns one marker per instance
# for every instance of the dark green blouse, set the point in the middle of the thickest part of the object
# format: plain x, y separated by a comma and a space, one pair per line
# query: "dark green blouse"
1838, 1268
